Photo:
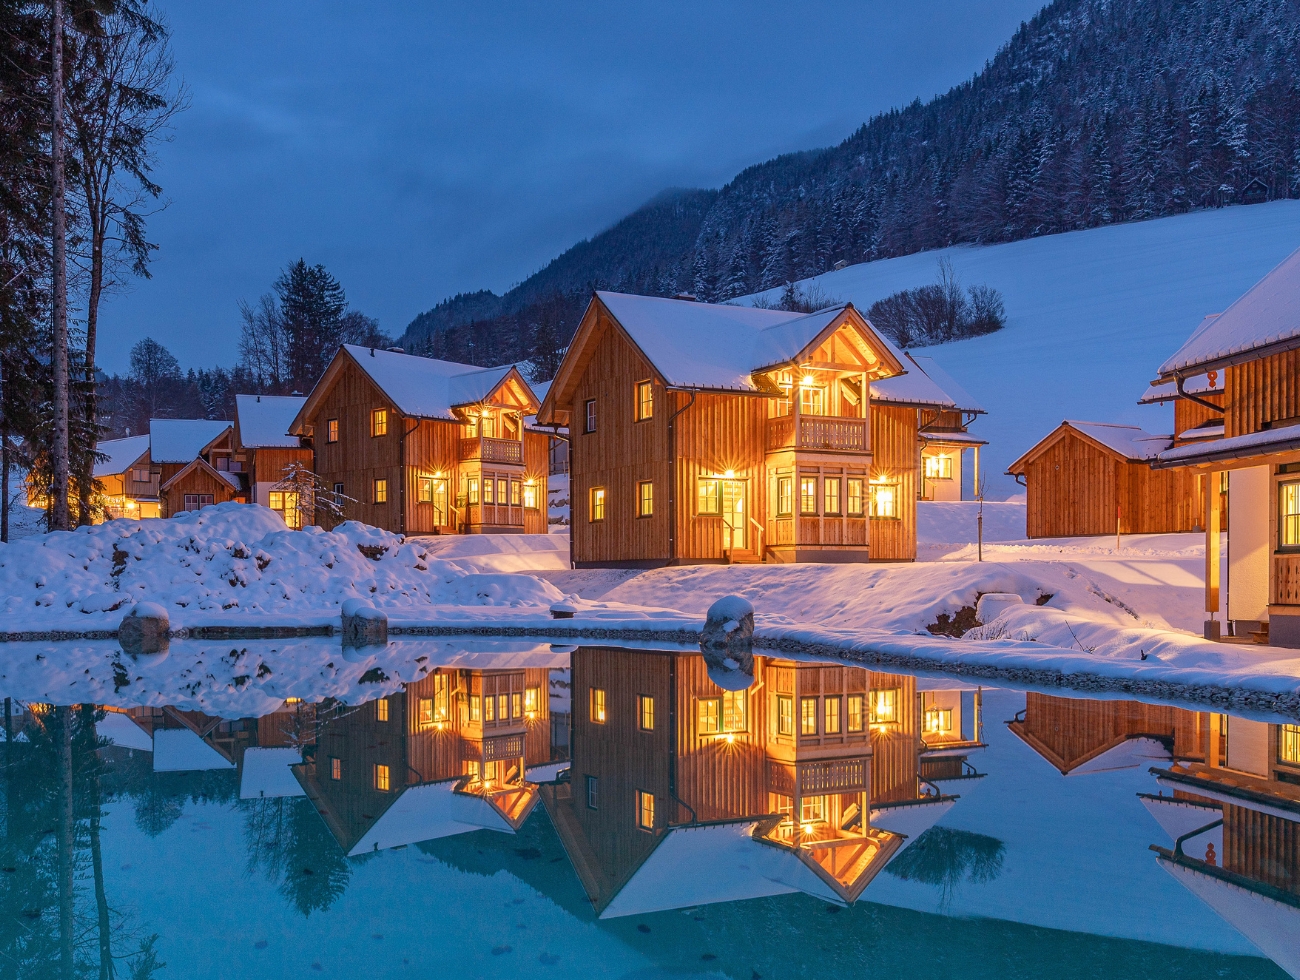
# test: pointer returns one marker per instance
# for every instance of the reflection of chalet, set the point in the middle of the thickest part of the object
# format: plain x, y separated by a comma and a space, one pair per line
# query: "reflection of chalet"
682, 793
445, 756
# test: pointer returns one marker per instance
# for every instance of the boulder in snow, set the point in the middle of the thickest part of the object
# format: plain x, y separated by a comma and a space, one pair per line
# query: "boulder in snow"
563, 610
727, 640
363, 624
145, 629
993, 604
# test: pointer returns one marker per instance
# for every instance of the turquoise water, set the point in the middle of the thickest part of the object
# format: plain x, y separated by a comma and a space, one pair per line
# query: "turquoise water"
235, 861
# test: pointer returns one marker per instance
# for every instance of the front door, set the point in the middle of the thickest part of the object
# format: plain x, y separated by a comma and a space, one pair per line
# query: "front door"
735, 515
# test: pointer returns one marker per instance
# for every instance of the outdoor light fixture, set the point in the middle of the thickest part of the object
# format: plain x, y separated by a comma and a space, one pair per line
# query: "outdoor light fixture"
729, 475
809, 381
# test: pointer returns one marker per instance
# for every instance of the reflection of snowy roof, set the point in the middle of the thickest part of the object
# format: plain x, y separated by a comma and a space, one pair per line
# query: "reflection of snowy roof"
1266, 315
181, 440
181, 750
122, 731
911, 819
267, 773
121, 454
428, 812
424, 387
1128, 754
924, 384
264, 420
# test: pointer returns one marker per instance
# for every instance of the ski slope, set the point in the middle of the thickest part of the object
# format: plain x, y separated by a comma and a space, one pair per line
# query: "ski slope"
1090, 315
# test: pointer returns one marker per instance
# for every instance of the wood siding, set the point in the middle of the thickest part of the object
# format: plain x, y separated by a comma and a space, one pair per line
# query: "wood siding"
197, 480
1262, 391
269, 465
1189, 414
893, 434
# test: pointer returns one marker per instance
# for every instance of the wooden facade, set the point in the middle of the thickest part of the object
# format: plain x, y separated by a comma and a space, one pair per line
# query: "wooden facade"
1076, 486
195, 486
477, 470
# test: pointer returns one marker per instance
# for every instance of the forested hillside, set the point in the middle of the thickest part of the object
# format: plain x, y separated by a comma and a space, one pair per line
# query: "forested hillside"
1095, 112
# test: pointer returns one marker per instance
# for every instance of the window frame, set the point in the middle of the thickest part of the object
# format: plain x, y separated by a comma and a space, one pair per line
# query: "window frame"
873, 490
530, 495
383, 778
645, 498
589, 419
643, 401
940, 459
593, 792
856, 714
331, 430
597, 503
875, 698
785, 715
807, 496
785, 496
598, 705
713, 496
1282, 492
832, 716
379, 490
855, 502
1288, 745
378, 423
645, 809
831, 489
336, 768
809, 711
645, 712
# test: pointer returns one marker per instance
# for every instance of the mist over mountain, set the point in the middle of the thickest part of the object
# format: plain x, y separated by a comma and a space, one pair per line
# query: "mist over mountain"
1095, 112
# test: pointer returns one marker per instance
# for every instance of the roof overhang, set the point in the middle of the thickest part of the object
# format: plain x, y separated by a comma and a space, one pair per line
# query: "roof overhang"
202, 464
1238, 452
1017, 468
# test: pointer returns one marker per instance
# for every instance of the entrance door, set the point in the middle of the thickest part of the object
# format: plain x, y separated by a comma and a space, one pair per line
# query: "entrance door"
735, 515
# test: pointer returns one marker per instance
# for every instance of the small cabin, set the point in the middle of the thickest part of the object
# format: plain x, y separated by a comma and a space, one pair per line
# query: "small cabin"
197, 464
416, 445
267, 452
129, 482
1092, 478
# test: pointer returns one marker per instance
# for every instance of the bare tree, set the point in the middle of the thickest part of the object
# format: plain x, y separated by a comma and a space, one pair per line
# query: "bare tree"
264, 345
308, 499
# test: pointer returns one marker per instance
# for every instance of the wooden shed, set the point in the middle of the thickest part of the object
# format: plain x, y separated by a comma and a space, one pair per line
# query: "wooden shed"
1089, 478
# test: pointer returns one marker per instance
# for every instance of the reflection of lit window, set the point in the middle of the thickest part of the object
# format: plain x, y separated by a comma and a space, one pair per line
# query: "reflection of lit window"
784, 714
441, 697
709, 715
728, 713
1288, 525
1288, 744
812, 809
883, 500
382, 782
938, 467
424, 713
336, 768
645, 810
646, 712
598, 714
532, 700
381, 709
884, 706
475, 708
807, 716
856, 714
593, 790
832, 716
489, 708
938, 721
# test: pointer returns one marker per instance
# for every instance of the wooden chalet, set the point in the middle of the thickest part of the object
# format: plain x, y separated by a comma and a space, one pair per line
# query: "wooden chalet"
1255, 345
196, 464
128, 483
1090, 478
682, 793
266, 452
420, 446
447, 755
709, 433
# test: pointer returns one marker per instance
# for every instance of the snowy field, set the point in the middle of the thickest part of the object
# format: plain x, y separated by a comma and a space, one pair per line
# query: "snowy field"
1090, 315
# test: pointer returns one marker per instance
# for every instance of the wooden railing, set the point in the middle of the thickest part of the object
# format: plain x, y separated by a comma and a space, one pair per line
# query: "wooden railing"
491, 450
1286, 577
826, 432
504, 747
838, 775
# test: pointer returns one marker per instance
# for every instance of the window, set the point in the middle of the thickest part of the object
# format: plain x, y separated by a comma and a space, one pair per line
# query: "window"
884, 706
597, 512
590, 424
812, 809
831, 716
441, 697
471, 769
379, 422
598, 713
812, 400
473, 490
530, 495
489, 708
475, 708
424, 713
381, 491
504, 705
831, 491
645, 712
514, 493
807, 716
1288, 744
645, 810
784, 496
645, 400
338, 491
532, 701
1288, 524
140, 475
883, 500
856, 714
808, 495
938, 721
727, 714
709, 497
489, 490
197, 501
440, 514
424, 491
501, 490
855, 496
285, 503
938, 467
336, 767
784, 714
381, 709
593, 790
708, 713
382, 781
645, 499
332, 430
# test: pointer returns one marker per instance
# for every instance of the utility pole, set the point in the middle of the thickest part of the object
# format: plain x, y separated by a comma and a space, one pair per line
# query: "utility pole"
59, 358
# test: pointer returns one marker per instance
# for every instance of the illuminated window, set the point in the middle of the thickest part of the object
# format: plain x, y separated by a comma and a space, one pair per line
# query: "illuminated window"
285, 503
381, 709
501, 490
381, 491
735, 711
808, 495
441, 697
645, 710
856, 714
379, 422
475, 708
812, 400
598, 713
1288, 744
532, 701
1288, 525
812, 809
471, 769
707, 493
530, 495
938, 467
332, 430
784, 496
597, 512
831, 715
807, 716
489, 490
831, 491
517, 704
514, 493
884, 706
590, 415
855, 496
883, 500
708, 713
645, 499
938, 721
424, 713
784, 714
503, 707
489, 708
382, 781
645, 810
336, 768
439, 501
645, 400
472, 494
424, 491
593, 792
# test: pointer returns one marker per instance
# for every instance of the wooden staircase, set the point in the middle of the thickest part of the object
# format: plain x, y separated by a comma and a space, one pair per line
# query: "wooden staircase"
743, 556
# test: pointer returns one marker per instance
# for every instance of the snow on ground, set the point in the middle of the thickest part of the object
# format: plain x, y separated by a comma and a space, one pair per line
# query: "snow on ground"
1090, 315
24, 521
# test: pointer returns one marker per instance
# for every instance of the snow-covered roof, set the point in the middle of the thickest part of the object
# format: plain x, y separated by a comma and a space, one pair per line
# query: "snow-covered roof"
1167, 391
1266, 315
427, 812
423, 387
120, 729
711, 345
121, 454
266, 773
924, 384
181, 750
264, 420
1127, 440
1286, 439
181, 440
1128, 754
945, 437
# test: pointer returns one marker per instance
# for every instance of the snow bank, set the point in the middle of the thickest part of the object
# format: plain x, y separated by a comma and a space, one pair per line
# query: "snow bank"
235, 561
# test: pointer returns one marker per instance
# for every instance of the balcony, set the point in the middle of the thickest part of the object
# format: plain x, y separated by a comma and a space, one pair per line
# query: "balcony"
822, 432
491, 450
